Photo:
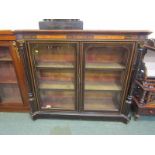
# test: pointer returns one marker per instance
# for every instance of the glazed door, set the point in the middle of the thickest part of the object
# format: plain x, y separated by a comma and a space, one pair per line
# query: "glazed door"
105, 71
11, 95
55, 68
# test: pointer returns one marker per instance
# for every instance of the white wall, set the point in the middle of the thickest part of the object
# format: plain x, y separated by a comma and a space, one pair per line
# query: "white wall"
150, 63
96, 14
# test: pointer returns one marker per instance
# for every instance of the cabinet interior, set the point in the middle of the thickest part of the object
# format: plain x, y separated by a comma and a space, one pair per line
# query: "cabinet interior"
57, 74
104, 71
55, 65
9, 89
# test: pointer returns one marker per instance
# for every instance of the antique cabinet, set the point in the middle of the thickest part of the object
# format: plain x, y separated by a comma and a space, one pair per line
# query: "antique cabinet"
79, 74
143, 90
13, 89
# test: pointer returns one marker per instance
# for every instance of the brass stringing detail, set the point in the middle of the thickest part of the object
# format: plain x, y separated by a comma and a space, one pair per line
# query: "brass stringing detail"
21, 42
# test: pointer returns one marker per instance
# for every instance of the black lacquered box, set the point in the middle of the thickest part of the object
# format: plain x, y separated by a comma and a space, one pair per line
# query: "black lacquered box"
61, 24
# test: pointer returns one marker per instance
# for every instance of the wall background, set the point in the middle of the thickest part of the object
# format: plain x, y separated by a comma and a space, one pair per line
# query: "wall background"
96, 14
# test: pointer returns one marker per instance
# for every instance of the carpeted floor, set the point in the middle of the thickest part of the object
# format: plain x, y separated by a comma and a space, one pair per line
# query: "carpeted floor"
21, 124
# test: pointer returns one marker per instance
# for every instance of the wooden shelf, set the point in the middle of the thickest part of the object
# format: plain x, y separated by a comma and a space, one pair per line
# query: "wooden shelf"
55, 65
148, 105
145, 88
11, 100
5, 59
58, 86
116, 66
99, 106
58, 105
110, 87
8, 82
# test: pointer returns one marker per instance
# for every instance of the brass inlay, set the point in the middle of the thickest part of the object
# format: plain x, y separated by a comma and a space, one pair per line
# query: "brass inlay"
109, 37
51, 37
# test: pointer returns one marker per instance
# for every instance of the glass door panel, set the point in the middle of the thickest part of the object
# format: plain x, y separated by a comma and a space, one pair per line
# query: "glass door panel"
106, 57
4, 54
57, 99
103, 80
56, 79
101, 100
8, 74
9, 89
9, 93
104, 72
55, 55
55, 65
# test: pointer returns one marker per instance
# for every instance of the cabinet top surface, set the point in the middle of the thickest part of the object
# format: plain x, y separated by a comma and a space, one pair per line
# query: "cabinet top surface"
145, 32
6, 32
6, 35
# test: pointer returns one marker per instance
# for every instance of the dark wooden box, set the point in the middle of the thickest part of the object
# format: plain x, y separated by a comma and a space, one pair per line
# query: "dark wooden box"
61, 24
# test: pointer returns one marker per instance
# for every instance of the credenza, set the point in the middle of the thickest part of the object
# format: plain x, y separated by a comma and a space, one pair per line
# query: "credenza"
80, 74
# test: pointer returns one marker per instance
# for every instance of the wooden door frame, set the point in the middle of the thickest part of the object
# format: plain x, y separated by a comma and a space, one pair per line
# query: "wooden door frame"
19, 71
32, 75
127, 72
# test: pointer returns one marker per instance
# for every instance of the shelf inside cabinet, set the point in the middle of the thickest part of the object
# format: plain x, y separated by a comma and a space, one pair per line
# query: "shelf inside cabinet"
5, 59
57, 99
57, 106
54, 65
105, 86
11, 100
5, 54
8, 82
57, 86
99, 106
103, 80
65, 105
9, 93
101, 100
116, 66
8, 74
